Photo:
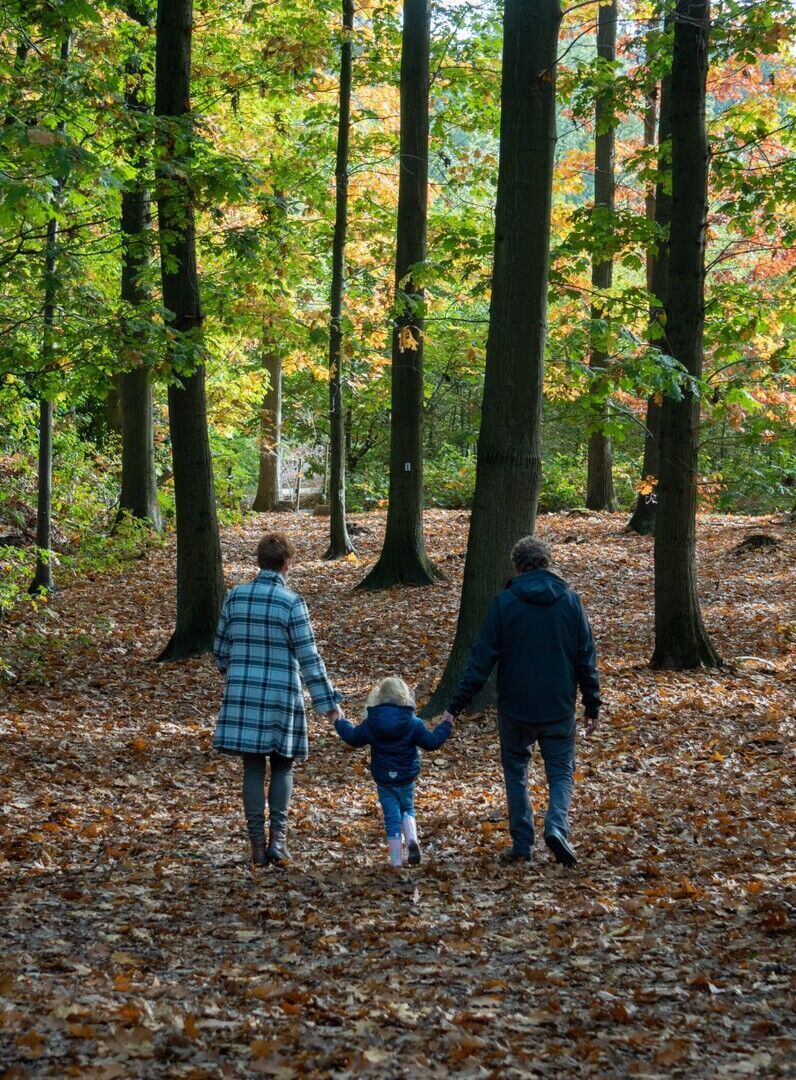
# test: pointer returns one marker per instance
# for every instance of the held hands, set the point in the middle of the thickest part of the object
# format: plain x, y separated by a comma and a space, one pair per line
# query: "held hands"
335, 714
590, 724
451, 719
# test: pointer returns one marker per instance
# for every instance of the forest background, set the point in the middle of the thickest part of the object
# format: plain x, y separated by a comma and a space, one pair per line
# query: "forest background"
261, 176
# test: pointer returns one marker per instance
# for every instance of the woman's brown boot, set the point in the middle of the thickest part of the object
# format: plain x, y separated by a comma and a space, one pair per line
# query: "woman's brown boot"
259, 857
277, 852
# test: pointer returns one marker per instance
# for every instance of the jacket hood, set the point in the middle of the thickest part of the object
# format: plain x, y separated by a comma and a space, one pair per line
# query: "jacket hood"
390, 721
538, 587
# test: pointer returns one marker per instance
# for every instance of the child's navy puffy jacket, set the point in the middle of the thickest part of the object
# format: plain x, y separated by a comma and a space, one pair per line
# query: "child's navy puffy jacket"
393, 733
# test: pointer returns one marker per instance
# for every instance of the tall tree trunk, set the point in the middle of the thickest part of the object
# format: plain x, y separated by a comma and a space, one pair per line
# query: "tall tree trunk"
681, 640
659, 208
403, 559
508, 463
599, 475
43, 576
139, 495
200, 581
269, 488
339, 540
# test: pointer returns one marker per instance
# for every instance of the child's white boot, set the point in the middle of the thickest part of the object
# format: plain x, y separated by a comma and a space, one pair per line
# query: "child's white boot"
409, 827
396, 852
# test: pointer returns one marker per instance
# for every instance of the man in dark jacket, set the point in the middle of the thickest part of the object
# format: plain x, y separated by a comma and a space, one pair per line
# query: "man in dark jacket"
537, 633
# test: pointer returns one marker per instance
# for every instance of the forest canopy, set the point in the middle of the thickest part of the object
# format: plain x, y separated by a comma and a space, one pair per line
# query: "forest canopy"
85, 327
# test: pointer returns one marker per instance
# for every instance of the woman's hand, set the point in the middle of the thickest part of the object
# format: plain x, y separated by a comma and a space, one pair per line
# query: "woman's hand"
335, 714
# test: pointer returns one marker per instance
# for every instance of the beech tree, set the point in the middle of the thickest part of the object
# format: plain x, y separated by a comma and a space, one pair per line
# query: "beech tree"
43, 575
139, 495
268, 482
339, 541
200, 582
681, 640
508, 463
642, 520
599, 476
403, 559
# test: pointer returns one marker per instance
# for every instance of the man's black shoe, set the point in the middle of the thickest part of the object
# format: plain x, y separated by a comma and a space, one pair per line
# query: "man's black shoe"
561, 848
511, 856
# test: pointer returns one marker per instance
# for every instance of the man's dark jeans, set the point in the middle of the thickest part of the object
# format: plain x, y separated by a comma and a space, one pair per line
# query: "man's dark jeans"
557, 745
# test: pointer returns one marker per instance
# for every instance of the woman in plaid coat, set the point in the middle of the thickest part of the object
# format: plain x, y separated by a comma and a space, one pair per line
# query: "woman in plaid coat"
264, 645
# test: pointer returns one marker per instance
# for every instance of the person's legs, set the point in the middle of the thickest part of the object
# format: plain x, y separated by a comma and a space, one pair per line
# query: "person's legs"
557, 744
406, 799
280, 789
391, 808
254, 804
516, 746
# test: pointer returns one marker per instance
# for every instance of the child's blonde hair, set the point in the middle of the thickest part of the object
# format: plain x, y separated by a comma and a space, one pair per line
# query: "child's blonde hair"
390, 691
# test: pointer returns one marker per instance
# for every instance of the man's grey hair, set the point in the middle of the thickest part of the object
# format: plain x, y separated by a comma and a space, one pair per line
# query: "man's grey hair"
530, 553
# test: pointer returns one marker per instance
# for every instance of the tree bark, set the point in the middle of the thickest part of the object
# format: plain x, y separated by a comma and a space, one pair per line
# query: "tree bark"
339, 540
43, 575
139, 493
658, 207
269, 488
200, 582
681, 640
599, 475
508, 463
403, 559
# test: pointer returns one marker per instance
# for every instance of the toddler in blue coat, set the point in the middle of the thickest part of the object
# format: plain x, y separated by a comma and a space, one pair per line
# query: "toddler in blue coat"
394, 733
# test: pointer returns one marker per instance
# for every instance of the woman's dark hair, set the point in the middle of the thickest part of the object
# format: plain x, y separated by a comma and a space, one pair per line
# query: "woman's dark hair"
273, 551
531, 554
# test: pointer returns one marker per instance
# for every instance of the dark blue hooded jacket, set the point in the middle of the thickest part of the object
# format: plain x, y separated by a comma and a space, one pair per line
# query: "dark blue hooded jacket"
393, 733
537, 633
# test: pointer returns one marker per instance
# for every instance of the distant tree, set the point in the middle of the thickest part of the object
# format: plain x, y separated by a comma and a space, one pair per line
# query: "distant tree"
269, 489
139, 494
200, 581
339, 540
508, 464
659, 207
599, 475
681, 640
43, 575
403, 559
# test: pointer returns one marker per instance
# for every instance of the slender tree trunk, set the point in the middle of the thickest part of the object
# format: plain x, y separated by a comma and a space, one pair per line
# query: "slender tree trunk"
508, 463
139, 495
403, 559
599, 475
43, 576
113, 406
200, 581
339, 540
659, 207
269, 488
681, 640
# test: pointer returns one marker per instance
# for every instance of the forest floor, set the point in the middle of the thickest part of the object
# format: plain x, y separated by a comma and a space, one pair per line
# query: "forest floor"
137, 941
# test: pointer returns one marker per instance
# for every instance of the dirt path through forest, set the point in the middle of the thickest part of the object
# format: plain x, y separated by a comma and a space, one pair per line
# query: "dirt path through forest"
137, 942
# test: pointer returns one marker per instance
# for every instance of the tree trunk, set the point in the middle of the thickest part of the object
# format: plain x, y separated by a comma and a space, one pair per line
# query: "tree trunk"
200, 581
508, 463
659, 207
43, 575
269, 487
681, 640
339, 540
599, 476
403, 559
139, 493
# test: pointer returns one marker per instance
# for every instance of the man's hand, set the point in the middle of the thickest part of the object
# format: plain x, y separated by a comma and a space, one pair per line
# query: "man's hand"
335, 714
449, 717
590, 724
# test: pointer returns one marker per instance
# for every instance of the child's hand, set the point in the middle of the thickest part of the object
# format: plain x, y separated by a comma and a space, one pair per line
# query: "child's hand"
335, 714
449, 717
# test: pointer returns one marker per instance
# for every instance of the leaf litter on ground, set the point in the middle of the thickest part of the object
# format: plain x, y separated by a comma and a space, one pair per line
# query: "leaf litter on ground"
137, 940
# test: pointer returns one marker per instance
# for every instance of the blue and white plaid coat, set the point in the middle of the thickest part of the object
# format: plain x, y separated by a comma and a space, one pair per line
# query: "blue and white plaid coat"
264, 644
